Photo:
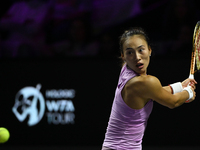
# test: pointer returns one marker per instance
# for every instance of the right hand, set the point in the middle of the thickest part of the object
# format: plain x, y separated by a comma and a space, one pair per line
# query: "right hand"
190, 82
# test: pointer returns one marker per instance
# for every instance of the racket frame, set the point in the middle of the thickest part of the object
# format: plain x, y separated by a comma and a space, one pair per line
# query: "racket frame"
194, 50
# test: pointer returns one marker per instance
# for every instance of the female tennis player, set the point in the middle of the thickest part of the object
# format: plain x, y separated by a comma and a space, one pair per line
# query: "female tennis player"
136, 92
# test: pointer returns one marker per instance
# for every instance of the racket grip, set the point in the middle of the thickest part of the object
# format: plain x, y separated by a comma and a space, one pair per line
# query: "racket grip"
191, 76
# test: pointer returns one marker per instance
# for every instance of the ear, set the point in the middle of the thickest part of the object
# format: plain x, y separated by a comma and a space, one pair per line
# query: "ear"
122, 56
150, 51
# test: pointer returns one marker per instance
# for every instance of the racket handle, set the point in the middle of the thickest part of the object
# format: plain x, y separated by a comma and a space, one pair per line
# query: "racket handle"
191, 76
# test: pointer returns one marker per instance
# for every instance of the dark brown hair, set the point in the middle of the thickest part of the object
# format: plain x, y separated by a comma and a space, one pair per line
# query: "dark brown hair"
131, 32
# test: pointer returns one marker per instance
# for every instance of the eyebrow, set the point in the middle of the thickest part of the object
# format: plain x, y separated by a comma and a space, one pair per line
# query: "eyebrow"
136, 48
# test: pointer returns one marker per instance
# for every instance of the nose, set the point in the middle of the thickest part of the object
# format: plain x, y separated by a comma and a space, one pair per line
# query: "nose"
137, 56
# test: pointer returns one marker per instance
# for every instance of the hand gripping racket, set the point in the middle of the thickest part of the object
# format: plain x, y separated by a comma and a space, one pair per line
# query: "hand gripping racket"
195, 58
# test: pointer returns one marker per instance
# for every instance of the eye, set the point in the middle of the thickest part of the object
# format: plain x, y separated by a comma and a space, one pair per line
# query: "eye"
141, 50
129, 52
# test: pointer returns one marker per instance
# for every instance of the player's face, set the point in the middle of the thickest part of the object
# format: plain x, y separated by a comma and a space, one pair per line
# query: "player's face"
136, 53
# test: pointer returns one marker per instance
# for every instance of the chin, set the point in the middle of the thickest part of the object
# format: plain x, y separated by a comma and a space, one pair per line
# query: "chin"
141, 72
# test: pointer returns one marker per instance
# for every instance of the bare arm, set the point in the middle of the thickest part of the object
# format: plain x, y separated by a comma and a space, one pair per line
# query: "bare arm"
167, 88
153, 89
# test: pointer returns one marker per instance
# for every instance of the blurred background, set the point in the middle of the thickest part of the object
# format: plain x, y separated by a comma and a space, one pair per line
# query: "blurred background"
59, 59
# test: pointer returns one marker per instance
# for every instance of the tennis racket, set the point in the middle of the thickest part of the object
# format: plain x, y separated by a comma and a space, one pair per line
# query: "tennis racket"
195, 58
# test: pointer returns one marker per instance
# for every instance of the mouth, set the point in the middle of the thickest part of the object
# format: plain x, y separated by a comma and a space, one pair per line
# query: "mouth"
140, 65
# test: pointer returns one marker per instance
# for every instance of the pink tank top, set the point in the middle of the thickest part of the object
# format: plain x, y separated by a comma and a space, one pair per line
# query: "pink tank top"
126, 126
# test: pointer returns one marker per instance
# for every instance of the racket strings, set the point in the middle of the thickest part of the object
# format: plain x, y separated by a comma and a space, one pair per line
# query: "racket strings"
197, 47
195, 58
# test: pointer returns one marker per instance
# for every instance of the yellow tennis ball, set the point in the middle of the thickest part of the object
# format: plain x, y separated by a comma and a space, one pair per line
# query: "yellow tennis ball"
4, 135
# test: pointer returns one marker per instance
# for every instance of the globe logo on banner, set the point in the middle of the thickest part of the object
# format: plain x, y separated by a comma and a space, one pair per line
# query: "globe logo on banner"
29, 102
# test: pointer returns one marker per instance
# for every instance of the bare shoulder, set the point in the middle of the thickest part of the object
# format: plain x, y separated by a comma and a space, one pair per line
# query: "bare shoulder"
136, 91
142, 85
143, 81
